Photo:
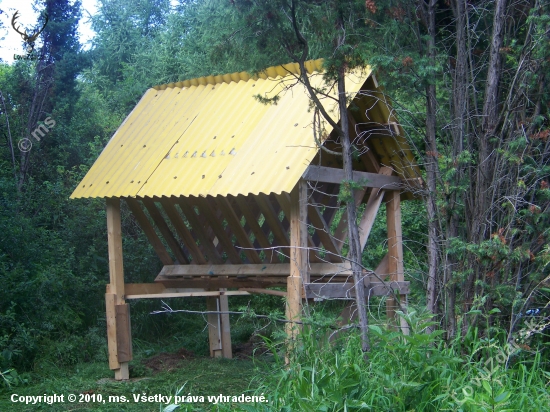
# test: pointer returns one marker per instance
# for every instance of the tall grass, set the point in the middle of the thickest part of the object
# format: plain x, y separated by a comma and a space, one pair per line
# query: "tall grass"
419, 372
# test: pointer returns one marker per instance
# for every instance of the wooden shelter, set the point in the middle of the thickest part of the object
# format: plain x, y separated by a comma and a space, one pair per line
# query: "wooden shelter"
237, 196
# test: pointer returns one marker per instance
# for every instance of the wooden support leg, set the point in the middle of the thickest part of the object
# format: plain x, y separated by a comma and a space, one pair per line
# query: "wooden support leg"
298, 258
214, 327
395, 255
219, 330
226, 328
118, 319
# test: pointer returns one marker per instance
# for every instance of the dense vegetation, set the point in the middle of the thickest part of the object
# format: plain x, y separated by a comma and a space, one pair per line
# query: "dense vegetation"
469, 81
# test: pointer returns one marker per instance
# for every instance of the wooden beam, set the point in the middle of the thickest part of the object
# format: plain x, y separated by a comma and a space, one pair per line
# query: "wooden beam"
298, 257
345, 290
114, 240
263, 269
116, 284
215, 223
167, 295
149, 231
189, 212
221, 282
173, 244
365, 179
183, 231
234, 223
272, 220
252, 222
143, 288
265, 291
395, 253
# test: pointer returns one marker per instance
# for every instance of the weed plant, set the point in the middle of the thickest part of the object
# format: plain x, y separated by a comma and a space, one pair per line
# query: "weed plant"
418, 372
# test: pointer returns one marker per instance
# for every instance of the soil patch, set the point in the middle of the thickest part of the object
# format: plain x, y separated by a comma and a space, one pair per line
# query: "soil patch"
167, 361
254, 347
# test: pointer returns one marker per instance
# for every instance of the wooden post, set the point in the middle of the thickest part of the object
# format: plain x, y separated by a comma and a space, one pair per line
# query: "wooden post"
118, 319
219, 330
395, 254
226, 329
298, 257
214, 327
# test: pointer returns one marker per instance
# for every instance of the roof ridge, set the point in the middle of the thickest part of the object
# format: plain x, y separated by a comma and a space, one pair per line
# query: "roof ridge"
271, 73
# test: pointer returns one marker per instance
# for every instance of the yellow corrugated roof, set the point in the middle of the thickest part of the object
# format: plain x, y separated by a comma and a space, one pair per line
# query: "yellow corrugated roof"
210, 136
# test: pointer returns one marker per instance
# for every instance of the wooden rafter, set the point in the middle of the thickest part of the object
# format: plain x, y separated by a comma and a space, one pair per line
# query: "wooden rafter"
234, 224
212, 254
252, 220
271, 218
182, 230
149, 231
215, 223
165, 231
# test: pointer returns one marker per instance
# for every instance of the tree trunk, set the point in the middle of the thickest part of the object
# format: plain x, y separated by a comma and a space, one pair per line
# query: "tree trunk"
353, 231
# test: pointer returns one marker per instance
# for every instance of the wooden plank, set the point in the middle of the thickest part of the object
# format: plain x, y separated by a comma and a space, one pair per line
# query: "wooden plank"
365, 179
123, 334
188, 294
215, 223
395, 252
143, 288
192, 218
345, 290
234, 223
227, 351
221, 282
164, 230
265, 291
262, 269
111, 331
284, 201
114, 240
183, 232
252, 221
272, 219
149, 231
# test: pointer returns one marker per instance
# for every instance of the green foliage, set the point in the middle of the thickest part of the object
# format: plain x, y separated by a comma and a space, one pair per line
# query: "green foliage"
418, 372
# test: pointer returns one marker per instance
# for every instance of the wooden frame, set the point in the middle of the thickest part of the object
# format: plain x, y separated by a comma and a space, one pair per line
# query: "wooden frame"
210, 245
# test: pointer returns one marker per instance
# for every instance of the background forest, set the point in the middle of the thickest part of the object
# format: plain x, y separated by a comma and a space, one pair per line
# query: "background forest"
469, 81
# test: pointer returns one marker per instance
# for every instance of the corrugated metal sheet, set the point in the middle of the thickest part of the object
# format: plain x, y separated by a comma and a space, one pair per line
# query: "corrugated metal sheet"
210, 136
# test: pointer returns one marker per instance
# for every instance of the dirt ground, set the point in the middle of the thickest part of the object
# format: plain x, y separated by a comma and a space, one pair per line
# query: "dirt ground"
166, 361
